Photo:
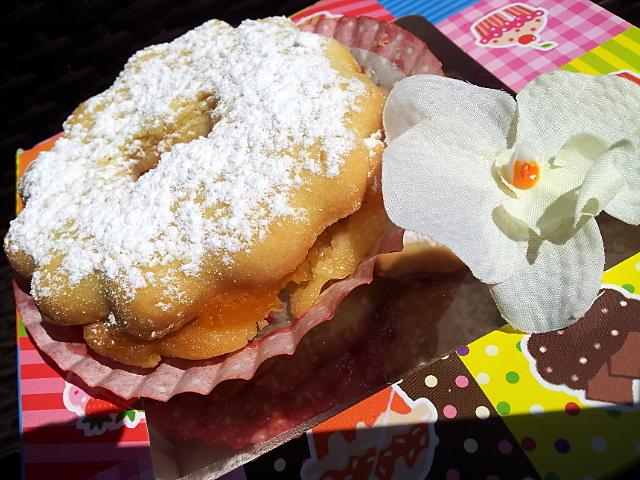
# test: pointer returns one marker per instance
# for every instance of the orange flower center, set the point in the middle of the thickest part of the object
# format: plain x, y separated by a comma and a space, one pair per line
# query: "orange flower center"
525, 174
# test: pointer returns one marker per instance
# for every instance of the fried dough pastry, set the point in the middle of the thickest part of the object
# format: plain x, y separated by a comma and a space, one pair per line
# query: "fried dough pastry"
217, 170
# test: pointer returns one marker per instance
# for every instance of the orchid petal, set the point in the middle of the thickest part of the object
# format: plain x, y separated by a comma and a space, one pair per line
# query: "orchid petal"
625, 205
556, 106
437, 181
602, 182
559, 283
420, 97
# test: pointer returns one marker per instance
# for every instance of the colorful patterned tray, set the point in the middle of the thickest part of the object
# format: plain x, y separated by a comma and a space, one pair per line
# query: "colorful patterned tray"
497, 408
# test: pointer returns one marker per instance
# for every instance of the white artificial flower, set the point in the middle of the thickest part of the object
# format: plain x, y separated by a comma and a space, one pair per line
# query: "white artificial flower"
512, 186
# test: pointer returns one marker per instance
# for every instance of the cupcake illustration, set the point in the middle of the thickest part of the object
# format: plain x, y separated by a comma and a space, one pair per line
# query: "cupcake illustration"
95, 415
387, 435
598, 358
516, 25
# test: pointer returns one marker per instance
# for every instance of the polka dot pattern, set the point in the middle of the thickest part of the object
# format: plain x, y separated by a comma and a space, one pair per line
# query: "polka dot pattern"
279, 465
536, 410
450, 411
470, 445
507, 432
462, 351
505, 447
563, 435
528, 444
503, 408
462, 381
572, 409
491, 350
430, 381
470, 431
512, 377
283, 462
562, 445
453, 474
482, 412
598, 444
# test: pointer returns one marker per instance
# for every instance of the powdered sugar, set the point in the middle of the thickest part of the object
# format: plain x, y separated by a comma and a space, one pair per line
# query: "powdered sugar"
270, 87
374, 143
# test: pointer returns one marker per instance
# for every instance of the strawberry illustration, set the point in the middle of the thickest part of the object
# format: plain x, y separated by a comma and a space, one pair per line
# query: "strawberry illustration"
96, 415
97, 407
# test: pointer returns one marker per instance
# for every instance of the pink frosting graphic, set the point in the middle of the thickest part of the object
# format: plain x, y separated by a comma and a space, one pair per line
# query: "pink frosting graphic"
516, 25
388, 435
95, 415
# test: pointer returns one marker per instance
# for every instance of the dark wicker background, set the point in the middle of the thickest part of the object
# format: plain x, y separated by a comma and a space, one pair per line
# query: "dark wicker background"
56, 54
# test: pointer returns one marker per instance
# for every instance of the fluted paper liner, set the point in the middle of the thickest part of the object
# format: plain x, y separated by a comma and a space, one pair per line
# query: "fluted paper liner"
65, 346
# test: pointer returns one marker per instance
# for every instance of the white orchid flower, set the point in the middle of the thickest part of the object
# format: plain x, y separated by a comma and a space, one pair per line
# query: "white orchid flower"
512, 187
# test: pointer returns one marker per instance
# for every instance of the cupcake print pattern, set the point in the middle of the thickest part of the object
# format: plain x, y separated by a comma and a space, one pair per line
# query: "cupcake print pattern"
516, 25
599, 355
388, 435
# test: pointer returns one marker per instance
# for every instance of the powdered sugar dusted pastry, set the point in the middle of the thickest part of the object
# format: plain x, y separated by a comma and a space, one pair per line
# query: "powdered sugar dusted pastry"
217, 170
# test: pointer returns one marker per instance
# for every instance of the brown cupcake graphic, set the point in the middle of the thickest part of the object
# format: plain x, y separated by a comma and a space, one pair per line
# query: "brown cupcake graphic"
599, 354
